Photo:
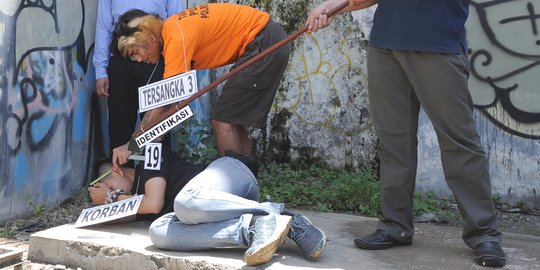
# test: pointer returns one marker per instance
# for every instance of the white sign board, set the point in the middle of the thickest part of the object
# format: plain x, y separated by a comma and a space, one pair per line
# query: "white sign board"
152, 158
108, 212
167, 91
162, 127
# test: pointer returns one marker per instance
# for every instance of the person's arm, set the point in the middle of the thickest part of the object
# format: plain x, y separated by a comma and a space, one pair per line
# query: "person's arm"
154, 196
318, 20
104, 24
124, 181
153, 199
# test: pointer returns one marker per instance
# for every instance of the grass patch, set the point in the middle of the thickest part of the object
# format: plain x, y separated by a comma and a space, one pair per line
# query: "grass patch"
43, 218
325, 190
6, 233
319, 189
426, 202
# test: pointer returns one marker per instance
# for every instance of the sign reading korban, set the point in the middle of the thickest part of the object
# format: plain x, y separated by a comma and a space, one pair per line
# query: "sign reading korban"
109, 212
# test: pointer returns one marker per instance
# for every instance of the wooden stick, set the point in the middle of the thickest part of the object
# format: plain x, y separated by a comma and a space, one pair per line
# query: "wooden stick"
180, 105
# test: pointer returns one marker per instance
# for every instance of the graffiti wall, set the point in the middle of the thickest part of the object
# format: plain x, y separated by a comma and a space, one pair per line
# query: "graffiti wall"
46, 95
53, 126
323, 103
320, 111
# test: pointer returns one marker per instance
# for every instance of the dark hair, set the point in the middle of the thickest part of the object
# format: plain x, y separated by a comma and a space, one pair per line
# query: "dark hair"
123, 29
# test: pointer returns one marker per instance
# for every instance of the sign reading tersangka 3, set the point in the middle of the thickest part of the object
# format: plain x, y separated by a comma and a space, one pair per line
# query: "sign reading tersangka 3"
167, 91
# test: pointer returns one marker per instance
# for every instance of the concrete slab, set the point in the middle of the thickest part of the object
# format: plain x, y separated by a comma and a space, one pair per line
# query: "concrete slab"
10, 257
127, 246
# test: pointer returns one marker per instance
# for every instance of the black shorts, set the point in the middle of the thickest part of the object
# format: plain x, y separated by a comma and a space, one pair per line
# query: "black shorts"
247, 97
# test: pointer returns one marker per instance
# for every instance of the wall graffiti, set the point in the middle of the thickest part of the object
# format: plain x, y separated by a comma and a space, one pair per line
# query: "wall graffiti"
316, 70
504, 38
320, 112
47, 90
53, 127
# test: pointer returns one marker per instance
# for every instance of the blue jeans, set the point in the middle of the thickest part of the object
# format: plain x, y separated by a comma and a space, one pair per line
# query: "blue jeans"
213, 210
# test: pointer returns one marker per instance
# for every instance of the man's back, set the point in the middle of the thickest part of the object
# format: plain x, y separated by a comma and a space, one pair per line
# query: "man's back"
420, 25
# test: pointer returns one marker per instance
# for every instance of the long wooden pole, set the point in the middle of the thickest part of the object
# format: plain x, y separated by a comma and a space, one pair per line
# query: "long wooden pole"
174, 109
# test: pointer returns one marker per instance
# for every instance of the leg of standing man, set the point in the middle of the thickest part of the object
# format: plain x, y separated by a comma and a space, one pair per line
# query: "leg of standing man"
448, 103
394, 107
404, 80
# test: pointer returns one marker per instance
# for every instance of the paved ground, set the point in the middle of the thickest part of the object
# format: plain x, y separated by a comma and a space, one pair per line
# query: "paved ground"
128, 247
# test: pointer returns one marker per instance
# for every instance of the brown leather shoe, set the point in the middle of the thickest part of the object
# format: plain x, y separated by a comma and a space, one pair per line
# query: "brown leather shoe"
379, 240
489, 254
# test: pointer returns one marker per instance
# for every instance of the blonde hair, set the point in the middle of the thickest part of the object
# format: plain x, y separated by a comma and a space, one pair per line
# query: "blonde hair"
145, 25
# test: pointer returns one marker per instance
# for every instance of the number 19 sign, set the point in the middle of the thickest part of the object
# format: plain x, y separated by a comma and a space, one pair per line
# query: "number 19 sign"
152, 157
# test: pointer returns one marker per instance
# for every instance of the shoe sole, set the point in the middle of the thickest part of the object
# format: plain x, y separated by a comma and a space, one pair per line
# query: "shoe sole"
314, 256
319, 250
491, 261
367, 246
265, 253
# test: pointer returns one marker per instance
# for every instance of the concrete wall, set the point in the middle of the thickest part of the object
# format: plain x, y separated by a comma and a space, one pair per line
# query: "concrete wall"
320, 112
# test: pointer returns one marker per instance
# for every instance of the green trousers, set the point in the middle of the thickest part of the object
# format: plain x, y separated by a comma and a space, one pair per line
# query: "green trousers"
400, 82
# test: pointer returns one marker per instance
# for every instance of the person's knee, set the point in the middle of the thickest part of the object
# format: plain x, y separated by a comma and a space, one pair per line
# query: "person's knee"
186, 208
157, 237
158, 231
187, 216
219, 125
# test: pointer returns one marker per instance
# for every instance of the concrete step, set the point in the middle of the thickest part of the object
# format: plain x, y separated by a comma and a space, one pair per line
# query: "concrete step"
127, 246
10, 257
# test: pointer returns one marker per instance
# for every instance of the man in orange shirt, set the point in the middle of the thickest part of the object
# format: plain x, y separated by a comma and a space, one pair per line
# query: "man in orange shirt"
210, 36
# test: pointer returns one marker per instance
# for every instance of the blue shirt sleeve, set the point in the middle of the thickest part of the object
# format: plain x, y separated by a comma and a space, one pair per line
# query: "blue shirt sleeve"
173, 7
104, 25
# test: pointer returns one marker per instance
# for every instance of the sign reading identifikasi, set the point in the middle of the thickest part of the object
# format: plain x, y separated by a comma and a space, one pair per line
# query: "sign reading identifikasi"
108, 212
167, 91
162, 127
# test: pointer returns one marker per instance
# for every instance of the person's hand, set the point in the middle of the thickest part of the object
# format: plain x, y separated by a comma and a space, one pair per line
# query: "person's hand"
317, 18
98, 193
102, 87
120, 156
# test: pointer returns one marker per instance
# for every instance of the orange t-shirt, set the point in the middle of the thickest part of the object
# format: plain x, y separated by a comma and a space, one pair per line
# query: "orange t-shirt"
209, 36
